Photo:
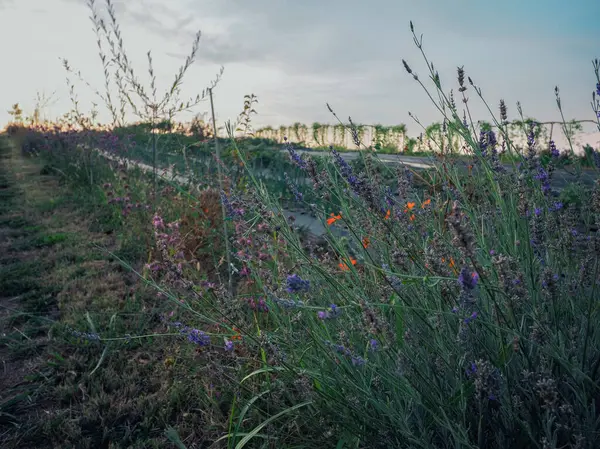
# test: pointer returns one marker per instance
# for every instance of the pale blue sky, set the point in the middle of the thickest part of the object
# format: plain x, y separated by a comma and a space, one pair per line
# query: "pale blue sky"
296, 55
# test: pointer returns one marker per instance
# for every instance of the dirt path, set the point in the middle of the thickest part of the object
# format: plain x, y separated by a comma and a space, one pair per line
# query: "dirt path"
58, 389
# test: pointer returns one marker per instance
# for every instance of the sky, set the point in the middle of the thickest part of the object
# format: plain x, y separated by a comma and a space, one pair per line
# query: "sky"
298, 55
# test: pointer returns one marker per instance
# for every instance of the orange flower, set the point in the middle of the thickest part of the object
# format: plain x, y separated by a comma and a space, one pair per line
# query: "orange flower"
451, 264
427, 202
412, 217
237, 336
345, 267
366, 242
410, 206
388, 214
334, 218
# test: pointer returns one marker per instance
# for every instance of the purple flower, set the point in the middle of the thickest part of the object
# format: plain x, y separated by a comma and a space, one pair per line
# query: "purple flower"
157, 221
472, 369
346, 170
358, 360
470, 318
293, 188
373, 345
198, 337
193, 335
294, 155
598, 89
553, 150
231, 211
467, 280
333, 312
295, 284
487, 140
556, 206
341, 349
228, 345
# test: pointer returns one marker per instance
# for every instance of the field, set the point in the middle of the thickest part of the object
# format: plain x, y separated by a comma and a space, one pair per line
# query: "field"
163, 287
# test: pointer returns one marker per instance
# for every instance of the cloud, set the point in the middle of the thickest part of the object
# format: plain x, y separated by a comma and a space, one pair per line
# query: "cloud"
297, 55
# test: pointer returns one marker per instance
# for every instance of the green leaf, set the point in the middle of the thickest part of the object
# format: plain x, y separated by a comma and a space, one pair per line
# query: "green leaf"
258, 428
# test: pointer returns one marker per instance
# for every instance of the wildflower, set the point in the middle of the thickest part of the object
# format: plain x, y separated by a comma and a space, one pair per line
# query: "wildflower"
198, 337
259, 305
472, 369
409, 206
544, 177
487, 139
598, 89
471, 318
427, 202
228, 345
373, 345
553, 150
389, 196
335, 311
332, 312
238, 335
158, 222
296, 159
227, 204
346, 171
467, 280
295, 284
486, 378
366, 242
358, 360
293, 188
333, 218
388, 214
345, 267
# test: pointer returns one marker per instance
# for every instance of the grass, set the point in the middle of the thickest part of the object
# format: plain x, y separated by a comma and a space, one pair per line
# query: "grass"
52, 282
